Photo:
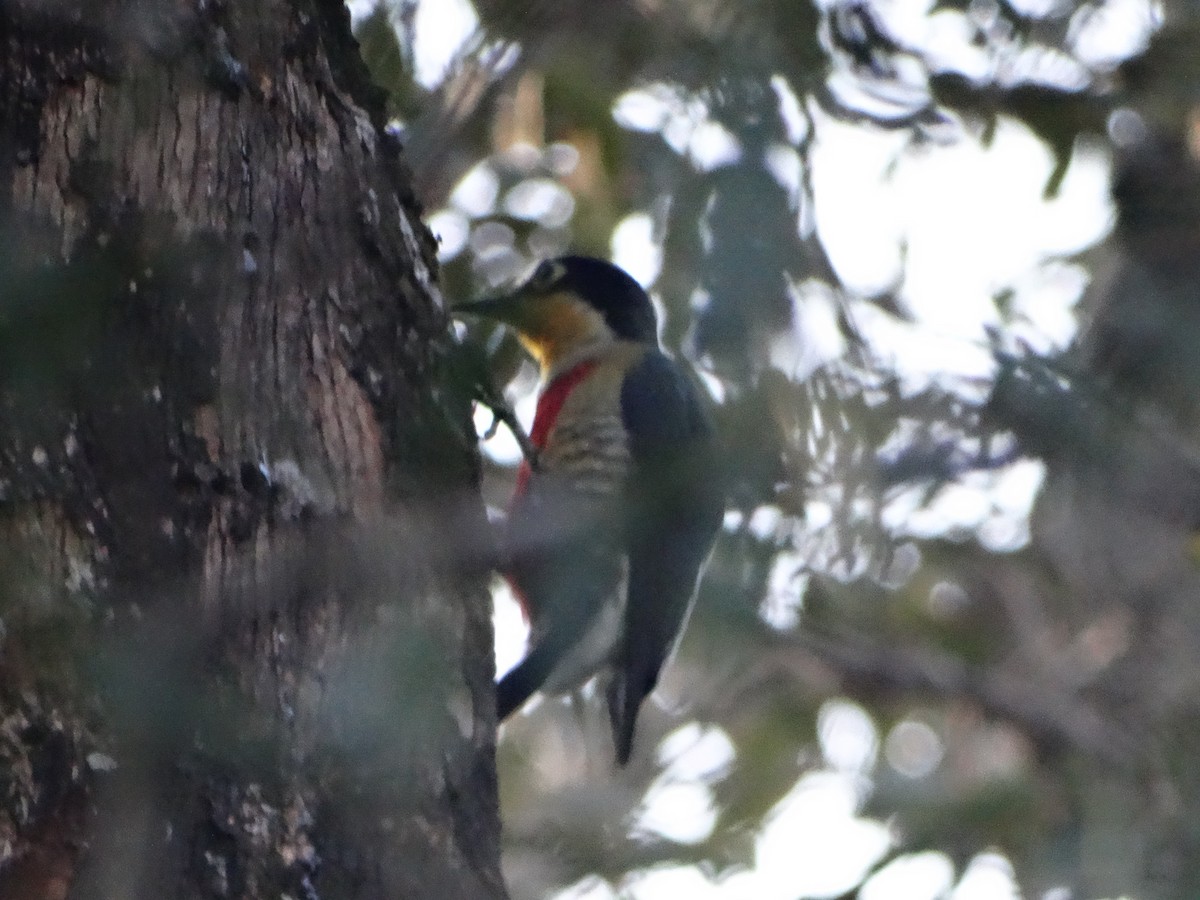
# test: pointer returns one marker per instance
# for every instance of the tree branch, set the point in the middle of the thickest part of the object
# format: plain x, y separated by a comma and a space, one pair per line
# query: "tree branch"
1050, 715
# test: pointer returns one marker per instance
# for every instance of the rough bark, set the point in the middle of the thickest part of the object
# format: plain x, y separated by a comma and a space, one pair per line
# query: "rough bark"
241, 654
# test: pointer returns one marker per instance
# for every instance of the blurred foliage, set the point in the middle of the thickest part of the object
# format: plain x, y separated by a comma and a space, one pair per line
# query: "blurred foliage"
1027, 676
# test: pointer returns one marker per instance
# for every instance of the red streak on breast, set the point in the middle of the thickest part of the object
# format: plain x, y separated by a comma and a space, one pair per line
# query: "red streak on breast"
549, 405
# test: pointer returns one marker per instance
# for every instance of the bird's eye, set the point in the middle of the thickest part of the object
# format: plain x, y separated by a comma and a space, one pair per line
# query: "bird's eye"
545, 275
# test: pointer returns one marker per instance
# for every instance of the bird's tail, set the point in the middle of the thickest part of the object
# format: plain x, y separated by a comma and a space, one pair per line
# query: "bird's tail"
623, 706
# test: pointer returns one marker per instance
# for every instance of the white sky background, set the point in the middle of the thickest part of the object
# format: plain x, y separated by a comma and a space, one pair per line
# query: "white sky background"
971, 220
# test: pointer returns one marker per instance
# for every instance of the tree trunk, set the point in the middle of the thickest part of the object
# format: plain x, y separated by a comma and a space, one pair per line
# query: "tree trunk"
241, 653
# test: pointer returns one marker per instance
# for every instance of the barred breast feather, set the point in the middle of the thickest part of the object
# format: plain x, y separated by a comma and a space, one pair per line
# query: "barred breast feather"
588, 444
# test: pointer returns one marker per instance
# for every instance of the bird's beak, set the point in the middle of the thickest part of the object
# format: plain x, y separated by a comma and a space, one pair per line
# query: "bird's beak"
502, 309
484, 309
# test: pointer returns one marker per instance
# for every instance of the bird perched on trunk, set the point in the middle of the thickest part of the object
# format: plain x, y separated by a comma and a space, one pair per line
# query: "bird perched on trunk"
611, 524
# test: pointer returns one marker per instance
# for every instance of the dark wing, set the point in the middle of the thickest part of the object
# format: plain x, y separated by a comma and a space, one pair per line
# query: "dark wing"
673, 510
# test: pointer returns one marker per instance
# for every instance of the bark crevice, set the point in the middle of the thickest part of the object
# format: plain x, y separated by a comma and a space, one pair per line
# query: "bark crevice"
223, 448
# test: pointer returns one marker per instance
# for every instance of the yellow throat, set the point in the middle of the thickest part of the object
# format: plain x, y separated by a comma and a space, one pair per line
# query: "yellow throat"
561, 326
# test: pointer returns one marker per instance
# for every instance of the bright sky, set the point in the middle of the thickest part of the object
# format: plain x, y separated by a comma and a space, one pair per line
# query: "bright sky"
949, 224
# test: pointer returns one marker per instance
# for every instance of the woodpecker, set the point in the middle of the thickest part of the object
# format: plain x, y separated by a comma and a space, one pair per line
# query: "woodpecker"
610, 526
